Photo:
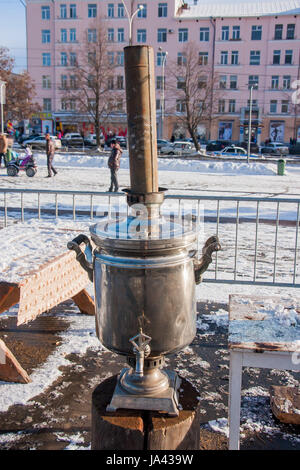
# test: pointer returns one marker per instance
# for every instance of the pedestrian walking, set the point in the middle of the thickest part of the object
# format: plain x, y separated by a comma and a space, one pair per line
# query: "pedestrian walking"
50, 149
3, 148
114, 164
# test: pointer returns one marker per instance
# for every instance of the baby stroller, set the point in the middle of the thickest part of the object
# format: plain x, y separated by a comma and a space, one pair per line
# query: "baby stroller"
14, 163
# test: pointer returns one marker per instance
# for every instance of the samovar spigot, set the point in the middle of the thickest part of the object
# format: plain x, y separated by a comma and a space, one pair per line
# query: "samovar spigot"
141, 350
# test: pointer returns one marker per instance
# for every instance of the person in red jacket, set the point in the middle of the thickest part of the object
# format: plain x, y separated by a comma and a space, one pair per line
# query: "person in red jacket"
114, 164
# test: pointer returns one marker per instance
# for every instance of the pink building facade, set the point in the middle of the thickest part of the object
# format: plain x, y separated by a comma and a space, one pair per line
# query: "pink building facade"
244, 44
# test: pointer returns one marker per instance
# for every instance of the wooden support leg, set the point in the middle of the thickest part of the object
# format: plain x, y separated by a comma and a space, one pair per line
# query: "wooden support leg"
84, 302
235, 383
10, 368
9, 296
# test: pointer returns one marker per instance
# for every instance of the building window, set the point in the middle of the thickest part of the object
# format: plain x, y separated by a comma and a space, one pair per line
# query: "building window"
111, 35
63, 11
45, 13
254, 57
253, 81
181, 58
73, 59
73, 82
92, 35
222, 82
160, 57
231, 108
72, 104
121, 10
202, 82
286, 83
110, 83
273, 106
276, 57
278, 31
120, 58
63, 81
162, 10
159, 83
72, 35
141, 36
158, 105
233, 82
120, 82
46, 81
63, 59
143, 12
111, 57
180, 83
288, 57
275, 82
224, 58
91, 80
290, 31
46, 56
225, 33
110, 10
162, 35
120, 34
64, 104
235, 32
235, 58
45, 36
91, 58
73, 12
284, 106
63, 35
221, 106
203, 58
180, 106
183, 35
47, 104
256, 33
92, 10
204, 34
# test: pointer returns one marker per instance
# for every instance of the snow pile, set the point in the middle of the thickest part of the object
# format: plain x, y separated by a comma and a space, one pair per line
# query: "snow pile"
164, 164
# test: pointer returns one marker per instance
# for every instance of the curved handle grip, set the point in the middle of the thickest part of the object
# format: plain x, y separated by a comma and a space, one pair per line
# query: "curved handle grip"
81, 256
200, 266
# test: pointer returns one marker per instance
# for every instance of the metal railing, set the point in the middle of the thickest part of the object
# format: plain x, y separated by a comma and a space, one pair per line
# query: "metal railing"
259, 235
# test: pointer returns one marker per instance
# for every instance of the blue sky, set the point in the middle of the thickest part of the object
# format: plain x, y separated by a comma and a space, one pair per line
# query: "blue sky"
13, 31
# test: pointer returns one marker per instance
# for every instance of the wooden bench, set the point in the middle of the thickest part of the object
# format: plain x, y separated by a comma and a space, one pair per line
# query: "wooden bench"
263, 332
41, 282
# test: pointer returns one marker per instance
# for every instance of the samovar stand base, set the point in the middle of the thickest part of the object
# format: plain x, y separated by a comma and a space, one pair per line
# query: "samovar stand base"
166, 401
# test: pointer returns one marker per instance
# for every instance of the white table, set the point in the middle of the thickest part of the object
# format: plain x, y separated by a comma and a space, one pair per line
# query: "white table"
263, 332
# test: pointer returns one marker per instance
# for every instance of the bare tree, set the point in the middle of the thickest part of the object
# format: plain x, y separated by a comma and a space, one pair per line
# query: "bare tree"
191, 82
92, 81
20, 89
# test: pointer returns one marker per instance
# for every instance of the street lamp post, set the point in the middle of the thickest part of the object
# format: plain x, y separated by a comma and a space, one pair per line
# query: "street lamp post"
250, 121
162, 104
130, 19
2, 99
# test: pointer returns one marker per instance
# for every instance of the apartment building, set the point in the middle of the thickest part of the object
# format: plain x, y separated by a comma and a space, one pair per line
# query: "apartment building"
244, 45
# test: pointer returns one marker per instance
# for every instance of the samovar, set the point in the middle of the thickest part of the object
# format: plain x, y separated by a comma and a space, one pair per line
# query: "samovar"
144, 266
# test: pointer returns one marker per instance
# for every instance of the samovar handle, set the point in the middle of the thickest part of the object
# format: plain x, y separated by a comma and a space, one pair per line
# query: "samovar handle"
85, 258
200, 265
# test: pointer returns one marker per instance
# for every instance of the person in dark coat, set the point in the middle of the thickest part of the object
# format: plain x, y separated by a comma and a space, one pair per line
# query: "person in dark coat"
50, 149
114, 164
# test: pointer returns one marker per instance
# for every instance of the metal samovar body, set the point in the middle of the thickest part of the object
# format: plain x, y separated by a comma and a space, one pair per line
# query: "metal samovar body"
144, 267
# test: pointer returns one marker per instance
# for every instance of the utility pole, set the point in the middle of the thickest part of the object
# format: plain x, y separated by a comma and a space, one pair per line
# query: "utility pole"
250, 121
2, 102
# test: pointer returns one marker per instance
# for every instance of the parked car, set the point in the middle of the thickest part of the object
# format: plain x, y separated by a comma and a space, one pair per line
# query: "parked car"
233, 151
122, 141
91, 140
253, 147
178, 148
72, 140
275, 148
295, 149
24, 137
217, 145
39, 142
161, 143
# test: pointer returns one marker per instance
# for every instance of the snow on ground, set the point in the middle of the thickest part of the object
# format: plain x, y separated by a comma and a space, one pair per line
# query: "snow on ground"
180, 176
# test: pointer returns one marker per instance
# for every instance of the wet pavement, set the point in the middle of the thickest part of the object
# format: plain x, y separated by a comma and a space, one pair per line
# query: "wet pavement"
60, 417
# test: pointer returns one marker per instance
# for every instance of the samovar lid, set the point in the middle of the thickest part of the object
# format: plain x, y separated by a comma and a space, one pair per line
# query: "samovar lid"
142, 233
